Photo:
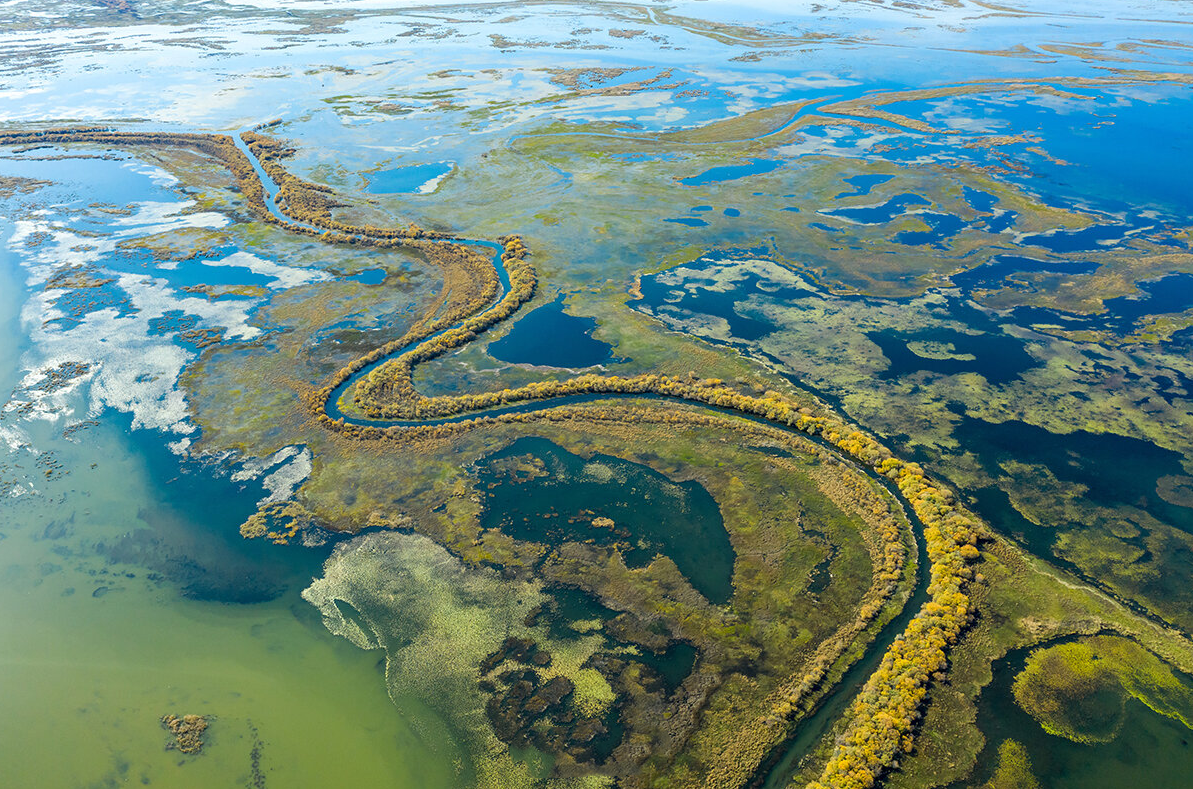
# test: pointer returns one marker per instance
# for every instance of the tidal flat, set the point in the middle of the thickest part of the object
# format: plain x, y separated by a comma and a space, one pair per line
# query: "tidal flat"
520, 395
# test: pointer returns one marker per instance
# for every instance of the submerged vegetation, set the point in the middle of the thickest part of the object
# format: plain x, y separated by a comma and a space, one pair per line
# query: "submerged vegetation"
1079, 689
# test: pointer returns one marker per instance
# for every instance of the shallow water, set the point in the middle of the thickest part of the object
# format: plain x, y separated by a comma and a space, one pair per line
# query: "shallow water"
130, 592
1059, 763
100, 640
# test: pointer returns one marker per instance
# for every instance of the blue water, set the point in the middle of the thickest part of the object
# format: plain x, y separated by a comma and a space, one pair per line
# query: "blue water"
999, 222
405, 180
192, 271
1167, 295
730, 305
1137, 160
731, 172
1117, 470
999, 358
372, 276
1170, 294
979, 200
690, 221
78, 303
1092, 237
549, 337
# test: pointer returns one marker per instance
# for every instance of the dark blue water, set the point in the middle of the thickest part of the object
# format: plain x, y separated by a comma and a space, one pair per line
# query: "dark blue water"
549, 337
1167, 295
727, 304
1118, 470
994, 273
690, 221
999, 357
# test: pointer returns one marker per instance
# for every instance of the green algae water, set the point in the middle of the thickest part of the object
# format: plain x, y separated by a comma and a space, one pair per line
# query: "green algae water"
93, 652
98, 641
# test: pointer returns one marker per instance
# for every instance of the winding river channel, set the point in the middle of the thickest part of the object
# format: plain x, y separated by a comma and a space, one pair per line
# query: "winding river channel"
775, 772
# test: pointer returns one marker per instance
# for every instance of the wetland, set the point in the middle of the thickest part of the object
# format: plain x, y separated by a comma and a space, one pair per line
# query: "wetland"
764, 408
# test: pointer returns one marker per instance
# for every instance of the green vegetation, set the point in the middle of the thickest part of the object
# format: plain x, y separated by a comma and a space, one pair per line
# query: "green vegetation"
1078, 689
1014, 769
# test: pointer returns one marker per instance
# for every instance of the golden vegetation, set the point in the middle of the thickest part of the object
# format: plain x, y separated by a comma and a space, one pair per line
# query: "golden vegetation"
278, 521
882, 718
187, 730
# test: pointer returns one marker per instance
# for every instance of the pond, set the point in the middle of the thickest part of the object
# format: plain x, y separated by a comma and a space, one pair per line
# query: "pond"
420, 179
549, 337
536, 490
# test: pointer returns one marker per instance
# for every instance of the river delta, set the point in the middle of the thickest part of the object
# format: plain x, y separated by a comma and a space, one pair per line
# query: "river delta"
585, 395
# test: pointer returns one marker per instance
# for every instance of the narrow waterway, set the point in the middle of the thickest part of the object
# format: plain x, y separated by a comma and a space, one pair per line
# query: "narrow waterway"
776, 771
